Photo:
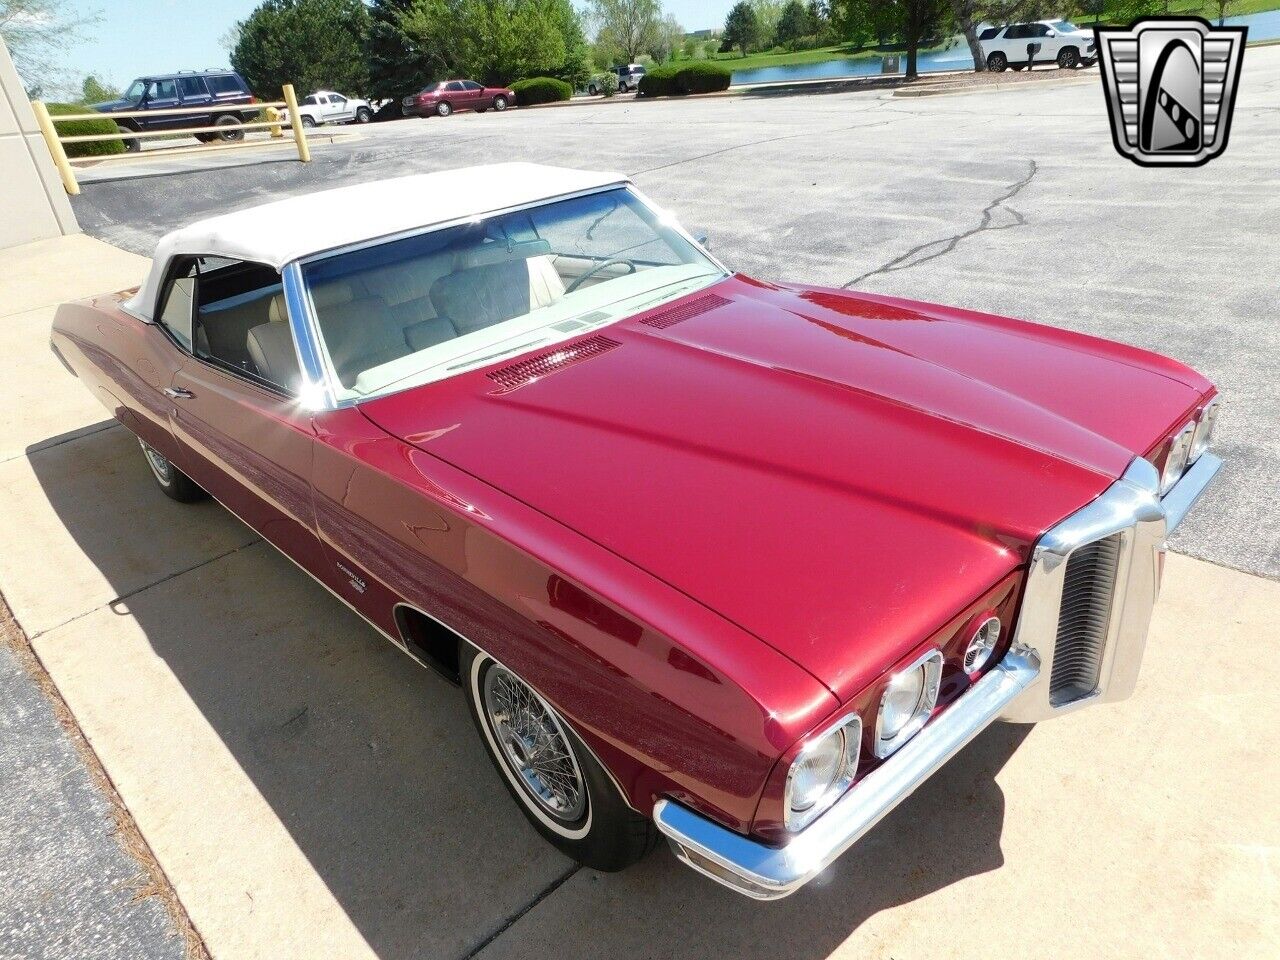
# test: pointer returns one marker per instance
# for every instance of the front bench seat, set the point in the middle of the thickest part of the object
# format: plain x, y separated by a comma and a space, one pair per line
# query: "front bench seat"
477, 296
272, 352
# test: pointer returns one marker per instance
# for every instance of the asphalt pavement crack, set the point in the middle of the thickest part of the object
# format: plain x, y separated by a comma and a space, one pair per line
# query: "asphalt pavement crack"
947, 244
757, 143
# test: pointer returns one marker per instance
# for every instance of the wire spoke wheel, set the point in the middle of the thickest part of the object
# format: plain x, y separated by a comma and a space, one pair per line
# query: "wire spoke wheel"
534, 745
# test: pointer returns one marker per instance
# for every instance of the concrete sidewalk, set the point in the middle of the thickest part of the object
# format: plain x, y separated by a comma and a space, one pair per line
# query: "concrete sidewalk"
312, 793
76, 881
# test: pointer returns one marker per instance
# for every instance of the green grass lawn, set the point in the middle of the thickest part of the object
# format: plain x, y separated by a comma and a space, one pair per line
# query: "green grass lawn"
1202, 8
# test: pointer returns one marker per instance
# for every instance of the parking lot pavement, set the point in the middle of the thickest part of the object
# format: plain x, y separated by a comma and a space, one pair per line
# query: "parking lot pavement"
1013, 202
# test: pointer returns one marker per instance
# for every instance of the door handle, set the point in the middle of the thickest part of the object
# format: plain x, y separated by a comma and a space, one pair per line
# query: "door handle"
178, 393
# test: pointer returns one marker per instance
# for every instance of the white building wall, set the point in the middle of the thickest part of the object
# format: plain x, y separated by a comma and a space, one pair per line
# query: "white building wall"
33, 204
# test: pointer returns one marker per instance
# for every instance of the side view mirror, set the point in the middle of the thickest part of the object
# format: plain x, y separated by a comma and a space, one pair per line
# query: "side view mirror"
1053, 33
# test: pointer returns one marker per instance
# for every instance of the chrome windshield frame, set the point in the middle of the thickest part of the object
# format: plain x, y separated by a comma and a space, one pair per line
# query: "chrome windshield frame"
320, 388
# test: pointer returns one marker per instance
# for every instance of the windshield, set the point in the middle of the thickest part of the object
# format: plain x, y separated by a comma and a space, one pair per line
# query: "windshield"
1065, 26
135, 90
410, 311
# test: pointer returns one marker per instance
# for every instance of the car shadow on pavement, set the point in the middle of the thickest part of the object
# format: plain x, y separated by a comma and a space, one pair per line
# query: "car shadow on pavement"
371, 763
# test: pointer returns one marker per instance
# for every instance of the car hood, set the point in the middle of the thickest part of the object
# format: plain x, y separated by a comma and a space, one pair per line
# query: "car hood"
836, 474
113, 106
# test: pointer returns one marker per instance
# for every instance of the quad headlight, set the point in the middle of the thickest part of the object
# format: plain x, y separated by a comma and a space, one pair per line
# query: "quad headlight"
822, 771
907, 702
1204, 431
1175, 463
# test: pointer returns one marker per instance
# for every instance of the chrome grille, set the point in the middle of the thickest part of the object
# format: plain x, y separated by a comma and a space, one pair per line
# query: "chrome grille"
1088, 594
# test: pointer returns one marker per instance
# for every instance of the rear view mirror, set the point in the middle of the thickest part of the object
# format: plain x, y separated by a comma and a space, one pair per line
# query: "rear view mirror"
701, 237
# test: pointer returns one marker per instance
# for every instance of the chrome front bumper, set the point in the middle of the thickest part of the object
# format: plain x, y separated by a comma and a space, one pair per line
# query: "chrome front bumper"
1015, 689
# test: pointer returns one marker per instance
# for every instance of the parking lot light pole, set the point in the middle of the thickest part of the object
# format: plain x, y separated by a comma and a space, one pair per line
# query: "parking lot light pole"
295, 121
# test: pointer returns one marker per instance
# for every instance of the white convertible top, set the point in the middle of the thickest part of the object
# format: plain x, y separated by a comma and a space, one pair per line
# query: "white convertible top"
283, 231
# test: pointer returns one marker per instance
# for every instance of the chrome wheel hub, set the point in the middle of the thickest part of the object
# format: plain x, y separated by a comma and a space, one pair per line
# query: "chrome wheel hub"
534, 745
160, 466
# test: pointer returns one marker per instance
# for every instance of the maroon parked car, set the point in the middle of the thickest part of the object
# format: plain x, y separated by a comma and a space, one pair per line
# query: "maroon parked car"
735, 563
443, 98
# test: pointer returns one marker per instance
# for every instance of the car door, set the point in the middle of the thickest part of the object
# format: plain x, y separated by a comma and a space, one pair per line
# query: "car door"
338, 112
243, 436
476, 96
195, 93
162, 95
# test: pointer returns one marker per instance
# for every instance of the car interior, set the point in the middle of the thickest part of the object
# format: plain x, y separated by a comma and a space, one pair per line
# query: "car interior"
388, 300
372, 317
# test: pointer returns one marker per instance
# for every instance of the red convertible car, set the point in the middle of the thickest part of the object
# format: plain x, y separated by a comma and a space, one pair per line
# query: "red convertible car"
443, 98
731, 562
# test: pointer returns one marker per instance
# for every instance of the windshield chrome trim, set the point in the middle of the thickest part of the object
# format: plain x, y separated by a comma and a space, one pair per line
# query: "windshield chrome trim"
313, 355
313, 360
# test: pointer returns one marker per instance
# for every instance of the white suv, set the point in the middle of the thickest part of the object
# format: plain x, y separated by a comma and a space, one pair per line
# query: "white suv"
1059, 40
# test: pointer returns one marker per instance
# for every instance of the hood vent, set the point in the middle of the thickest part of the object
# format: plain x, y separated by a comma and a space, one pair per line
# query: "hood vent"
670, 317
516, 375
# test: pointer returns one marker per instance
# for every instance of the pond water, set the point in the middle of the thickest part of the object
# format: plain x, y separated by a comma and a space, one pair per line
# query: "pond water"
1262, 26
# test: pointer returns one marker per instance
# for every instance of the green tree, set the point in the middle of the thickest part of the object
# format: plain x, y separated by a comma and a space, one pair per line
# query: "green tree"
95, 90
740, 27
794, 23
768, 13
494, 41
668, 37
395, 66
859, 22
312, 44
918, 19
625, 26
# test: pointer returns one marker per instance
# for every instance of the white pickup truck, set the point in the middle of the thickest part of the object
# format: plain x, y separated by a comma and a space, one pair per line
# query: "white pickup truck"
325, 106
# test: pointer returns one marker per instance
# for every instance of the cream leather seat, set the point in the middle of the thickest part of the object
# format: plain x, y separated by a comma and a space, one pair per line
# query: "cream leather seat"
271, 348
496, 283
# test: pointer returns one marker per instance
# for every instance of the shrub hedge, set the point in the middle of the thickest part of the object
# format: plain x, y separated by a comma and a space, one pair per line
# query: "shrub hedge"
84, 128
606, 84
541, 90
680, 79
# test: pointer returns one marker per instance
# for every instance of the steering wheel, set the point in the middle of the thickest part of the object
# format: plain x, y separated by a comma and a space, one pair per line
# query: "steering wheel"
597, 268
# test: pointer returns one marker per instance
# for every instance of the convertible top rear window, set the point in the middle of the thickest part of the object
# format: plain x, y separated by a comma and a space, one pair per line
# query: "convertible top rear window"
407, 311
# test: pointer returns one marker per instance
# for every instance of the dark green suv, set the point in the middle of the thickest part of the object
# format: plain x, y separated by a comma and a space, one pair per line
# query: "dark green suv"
169, 91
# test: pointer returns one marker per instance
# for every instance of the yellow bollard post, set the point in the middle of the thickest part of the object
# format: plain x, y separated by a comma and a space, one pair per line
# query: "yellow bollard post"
55, 148
273, 115
295, 121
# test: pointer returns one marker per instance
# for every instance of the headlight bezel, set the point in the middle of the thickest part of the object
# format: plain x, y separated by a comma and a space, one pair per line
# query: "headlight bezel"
1205, 425
848, 727
1176, 460
929, 664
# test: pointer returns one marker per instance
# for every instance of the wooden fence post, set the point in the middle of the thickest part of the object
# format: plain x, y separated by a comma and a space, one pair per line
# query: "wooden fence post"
55, 148
295, 121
